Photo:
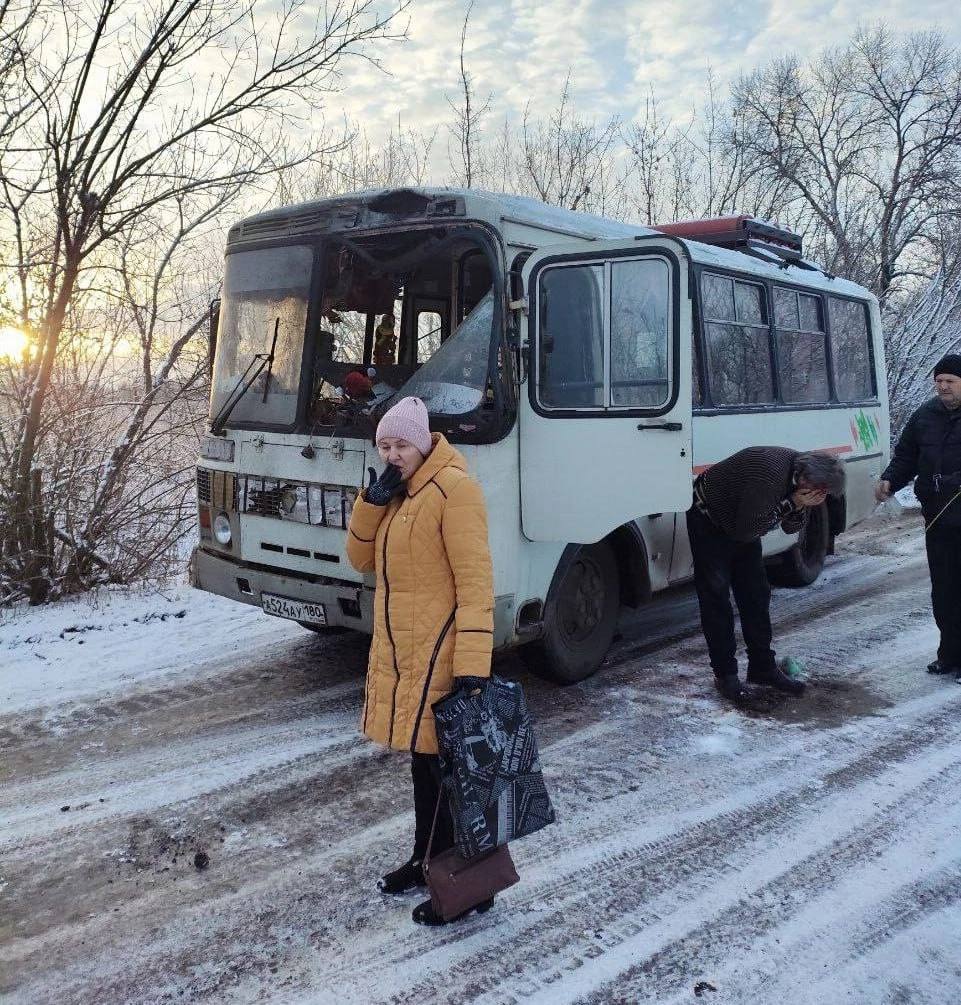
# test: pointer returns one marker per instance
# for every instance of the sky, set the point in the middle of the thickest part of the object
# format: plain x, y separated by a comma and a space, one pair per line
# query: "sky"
520, 51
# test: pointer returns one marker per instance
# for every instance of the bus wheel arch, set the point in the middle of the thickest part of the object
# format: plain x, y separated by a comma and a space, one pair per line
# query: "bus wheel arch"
630, 553
580, 614
802, 563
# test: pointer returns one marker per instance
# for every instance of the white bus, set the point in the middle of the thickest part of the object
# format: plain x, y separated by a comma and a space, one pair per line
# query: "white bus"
587, 369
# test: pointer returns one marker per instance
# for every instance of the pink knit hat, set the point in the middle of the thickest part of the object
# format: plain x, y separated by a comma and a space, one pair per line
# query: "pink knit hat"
407, 420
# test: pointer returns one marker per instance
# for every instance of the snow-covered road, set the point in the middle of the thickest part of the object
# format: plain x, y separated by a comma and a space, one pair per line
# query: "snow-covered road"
808, 852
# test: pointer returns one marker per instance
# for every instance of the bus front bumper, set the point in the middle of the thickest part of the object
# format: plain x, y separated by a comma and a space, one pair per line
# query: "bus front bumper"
347, 605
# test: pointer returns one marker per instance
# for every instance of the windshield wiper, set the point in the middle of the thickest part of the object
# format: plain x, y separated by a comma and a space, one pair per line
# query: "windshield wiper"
270, 358
254, 369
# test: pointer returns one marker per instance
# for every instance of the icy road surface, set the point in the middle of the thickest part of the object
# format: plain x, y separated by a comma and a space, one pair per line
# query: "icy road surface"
809, 852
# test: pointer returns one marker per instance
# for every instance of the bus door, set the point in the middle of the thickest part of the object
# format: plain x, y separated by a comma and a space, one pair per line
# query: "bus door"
605, 425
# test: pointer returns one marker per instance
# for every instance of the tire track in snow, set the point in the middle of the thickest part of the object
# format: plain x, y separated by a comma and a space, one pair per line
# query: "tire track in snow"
222, 933
769, 905
553, 906
846, 926
854, 581
295, 673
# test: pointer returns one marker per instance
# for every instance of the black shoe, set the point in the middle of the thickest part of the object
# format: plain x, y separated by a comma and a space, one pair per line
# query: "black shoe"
731, 688
941, 668
773, 676
424, 914
408, 877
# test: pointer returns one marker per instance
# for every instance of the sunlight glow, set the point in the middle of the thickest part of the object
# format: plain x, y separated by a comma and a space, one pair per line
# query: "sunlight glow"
12, 342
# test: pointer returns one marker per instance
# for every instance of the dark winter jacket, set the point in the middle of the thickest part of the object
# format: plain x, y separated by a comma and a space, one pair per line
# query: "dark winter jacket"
929, 450
749, 493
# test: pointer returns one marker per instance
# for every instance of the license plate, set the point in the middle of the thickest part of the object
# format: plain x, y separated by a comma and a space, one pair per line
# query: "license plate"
296, 610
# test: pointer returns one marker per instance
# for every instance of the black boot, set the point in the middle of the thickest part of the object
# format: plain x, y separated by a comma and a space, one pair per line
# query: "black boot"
731, 688
408, 877
941, 668
774, 676
424, 914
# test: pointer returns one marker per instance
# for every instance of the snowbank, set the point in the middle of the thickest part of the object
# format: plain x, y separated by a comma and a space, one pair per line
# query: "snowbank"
94, 644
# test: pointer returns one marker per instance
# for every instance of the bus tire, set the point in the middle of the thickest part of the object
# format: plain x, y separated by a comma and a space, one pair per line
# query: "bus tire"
324, 629
580, 617
802, 564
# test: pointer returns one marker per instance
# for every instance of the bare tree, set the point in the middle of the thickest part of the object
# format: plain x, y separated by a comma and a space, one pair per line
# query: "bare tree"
568, 160
698, 167
106, 171
653, 144
868, 140
468, 116
920, 330
359, 163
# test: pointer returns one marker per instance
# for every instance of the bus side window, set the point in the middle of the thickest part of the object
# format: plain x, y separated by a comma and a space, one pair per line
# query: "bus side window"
697, 392
570, 358
429, 334
737, 341
851, 350
801, 354
473, 281
640, 333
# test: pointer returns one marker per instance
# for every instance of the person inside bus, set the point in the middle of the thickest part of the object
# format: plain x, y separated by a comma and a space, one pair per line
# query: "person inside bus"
929, 451
385, 341
736, 502
422, 528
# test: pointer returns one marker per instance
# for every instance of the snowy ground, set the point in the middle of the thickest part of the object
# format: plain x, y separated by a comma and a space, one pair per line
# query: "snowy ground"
807, 852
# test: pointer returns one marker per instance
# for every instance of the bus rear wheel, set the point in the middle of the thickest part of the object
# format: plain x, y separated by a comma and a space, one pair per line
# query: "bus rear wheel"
802, 564
580, 617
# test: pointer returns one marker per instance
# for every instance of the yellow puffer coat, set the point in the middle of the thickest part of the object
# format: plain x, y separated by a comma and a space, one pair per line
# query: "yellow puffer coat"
434, 602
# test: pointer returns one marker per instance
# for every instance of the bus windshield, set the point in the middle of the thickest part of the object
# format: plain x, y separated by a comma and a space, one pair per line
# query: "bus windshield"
265, 294
403, 313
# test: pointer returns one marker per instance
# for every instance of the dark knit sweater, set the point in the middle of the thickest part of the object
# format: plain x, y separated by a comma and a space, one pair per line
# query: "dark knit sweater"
748, 493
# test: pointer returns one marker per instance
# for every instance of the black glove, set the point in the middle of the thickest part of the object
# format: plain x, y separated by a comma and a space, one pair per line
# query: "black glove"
469, 684
381, 490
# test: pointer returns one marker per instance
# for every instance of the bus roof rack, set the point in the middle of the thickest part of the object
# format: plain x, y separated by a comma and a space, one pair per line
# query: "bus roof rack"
743, 233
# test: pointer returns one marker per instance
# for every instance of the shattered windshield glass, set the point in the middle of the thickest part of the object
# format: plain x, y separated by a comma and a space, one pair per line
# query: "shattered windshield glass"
454, 379
264, 292
405, 313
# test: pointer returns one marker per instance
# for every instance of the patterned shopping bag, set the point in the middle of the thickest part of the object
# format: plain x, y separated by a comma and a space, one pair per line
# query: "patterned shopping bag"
491, 770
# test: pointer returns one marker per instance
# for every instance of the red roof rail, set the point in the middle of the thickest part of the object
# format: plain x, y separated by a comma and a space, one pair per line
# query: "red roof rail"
736, 232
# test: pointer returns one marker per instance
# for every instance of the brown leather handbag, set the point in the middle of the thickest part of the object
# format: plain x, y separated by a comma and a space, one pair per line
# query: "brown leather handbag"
457, 884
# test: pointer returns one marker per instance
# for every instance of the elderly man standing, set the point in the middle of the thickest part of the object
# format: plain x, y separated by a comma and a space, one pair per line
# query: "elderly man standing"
736, 502
929, 451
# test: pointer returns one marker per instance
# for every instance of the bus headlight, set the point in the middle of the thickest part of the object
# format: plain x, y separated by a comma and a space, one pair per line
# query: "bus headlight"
222, 528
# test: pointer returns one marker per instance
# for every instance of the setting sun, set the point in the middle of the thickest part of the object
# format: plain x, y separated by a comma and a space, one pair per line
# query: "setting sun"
12, 342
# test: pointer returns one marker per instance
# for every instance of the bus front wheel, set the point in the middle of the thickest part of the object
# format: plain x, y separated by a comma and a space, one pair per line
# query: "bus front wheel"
802, 564
579, 617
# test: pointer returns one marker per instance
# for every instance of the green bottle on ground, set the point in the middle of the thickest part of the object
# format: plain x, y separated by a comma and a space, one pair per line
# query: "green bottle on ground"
793, 668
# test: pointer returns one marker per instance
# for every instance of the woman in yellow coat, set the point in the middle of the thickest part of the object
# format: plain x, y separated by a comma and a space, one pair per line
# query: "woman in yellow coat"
422, 528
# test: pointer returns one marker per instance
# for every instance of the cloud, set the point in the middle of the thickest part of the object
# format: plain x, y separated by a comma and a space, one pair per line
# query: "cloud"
616, 51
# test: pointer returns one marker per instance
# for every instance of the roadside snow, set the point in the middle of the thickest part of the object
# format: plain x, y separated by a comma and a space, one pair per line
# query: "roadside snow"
95, 644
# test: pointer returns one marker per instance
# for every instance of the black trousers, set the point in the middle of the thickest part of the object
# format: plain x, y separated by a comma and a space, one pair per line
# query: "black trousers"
425, 771
944, 561
723, 565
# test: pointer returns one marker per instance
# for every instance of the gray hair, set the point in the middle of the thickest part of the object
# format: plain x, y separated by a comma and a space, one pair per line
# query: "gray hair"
821, 469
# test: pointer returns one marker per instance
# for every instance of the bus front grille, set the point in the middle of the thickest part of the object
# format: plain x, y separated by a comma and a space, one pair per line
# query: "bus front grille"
203, 485
299, 502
